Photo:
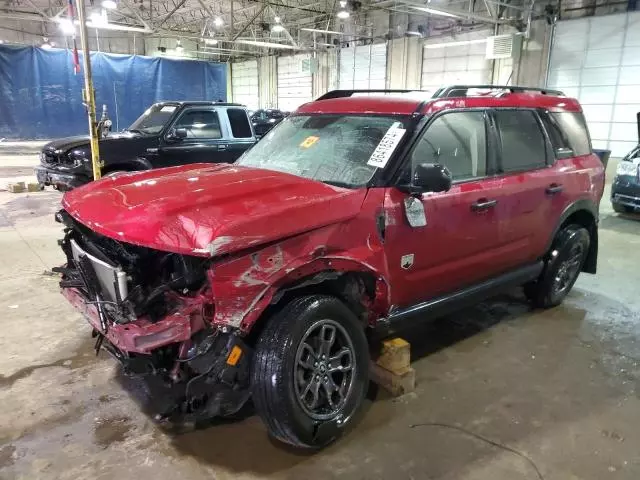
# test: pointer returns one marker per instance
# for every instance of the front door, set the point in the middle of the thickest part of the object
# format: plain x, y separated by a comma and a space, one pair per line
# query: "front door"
204, 141
440, 242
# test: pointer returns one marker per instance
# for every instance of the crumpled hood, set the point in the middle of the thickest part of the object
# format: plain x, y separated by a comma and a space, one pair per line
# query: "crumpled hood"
204, 209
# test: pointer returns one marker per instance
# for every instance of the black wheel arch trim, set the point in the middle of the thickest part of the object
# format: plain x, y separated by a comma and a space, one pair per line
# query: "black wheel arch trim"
588, 205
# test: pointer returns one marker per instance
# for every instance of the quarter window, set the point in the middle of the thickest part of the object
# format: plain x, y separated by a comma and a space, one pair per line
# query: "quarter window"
574, 126
200, 124
559, 141
523, 144
457, 140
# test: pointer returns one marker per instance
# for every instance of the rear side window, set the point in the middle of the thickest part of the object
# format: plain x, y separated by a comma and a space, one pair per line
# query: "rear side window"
239, 123
575, 128
523, 144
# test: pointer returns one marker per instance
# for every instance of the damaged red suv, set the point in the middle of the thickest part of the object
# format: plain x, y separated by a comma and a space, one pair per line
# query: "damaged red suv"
357, 214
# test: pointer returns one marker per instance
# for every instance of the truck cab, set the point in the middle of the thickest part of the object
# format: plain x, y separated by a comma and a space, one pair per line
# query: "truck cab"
166, 134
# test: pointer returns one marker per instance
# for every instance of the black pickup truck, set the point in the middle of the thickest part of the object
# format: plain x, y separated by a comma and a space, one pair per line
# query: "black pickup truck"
167, 134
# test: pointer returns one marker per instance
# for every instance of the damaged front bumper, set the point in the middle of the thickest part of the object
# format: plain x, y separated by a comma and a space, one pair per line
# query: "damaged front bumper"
161, 333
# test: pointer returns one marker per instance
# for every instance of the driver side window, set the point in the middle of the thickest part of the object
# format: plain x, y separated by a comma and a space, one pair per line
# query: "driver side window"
457, 140
200, 124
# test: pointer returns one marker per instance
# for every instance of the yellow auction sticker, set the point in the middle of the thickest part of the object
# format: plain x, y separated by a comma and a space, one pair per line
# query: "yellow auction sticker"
234, 356
309, 141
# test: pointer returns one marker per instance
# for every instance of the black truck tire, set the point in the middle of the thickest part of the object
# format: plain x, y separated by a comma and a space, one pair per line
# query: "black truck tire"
310, 371
562, 267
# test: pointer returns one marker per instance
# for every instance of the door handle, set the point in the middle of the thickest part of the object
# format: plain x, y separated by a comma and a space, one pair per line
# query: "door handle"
553, 189
483, 204
222, 147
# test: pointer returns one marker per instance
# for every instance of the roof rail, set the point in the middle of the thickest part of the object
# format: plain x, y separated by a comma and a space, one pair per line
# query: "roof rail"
461, 90
350, 93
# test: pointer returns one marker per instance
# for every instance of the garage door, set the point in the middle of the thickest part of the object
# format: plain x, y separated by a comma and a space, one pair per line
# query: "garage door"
362, 67
462, 64
598, 61
244, 83
294, 82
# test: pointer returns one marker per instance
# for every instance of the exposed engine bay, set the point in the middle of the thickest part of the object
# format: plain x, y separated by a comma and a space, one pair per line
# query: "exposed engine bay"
152, 311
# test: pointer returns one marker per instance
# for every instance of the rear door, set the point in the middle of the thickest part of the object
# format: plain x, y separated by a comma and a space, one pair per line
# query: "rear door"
529, 182
204, 130
457, 243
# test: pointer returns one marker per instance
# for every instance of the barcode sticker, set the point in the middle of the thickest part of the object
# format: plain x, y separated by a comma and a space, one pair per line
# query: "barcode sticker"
387, 145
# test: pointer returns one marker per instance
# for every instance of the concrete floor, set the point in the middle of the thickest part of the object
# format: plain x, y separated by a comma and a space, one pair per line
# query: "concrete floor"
558, 386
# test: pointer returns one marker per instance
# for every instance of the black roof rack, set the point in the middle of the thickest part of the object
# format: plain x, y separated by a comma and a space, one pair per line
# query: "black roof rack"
461, 90
350, 93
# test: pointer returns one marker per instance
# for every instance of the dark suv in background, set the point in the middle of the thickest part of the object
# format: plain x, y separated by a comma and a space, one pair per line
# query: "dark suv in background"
167, 134
264, 120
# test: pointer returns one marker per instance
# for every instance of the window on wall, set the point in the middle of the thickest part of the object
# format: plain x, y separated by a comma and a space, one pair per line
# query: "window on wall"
240, 127
200, 124
523, 144
456, 140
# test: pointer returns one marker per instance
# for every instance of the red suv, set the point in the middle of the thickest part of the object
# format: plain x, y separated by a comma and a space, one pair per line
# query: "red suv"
262, 279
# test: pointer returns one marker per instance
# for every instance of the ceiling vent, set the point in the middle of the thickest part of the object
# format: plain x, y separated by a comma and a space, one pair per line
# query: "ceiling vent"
503, 46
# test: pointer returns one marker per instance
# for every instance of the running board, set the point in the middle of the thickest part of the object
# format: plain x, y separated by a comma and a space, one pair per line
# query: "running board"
401, 318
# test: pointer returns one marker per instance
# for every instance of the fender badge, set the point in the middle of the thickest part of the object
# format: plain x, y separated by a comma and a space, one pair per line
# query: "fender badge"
406, 262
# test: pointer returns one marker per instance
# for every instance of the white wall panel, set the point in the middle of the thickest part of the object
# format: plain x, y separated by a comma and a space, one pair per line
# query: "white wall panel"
244, 83
294, 84
462, 64
597, 60
363, 66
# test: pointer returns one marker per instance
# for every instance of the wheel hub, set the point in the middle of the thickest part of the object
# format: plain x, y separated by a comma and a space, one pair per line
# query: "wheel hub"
324, 370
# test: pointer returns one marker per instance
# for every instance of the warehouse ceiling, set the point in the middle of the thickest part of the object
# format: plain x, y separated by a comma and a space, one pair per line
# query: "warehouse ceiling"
241, 27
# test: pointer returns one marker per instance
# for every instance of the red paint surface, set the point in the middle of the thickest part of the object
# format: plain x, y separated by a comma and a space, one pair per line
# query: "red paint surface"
460, 247
408, 105
277, 228
208, 210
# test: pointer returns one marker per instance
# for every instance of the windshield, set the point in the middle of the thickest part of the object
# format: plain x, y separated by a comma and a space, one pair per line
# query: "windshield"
334, 149
153, 120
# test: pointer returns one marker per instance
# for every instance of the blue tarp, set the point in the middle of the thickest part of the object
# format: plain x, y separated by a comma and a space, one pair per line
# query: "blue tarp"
41, 97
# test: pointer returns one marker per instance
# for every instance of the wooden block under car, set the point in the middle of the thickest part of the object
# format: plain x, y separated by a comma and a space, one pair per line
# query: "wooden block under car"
395, 383
395, 355
34, 187
17, 187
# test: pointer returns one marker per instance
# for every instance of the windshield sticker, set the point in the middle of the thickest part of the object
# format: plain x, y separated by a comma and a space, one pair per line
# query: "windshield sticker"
309, 141
168, 108
387, 145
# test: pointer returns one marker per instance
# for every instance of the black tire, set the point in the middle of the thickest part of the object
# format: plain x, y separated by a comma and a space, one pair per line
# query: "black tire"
621, 208
280, 371
562, 267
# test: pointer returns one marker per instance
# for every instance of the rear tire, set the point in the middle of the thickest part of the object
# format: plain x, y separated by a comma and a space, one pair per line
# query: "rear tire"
310, 371
562, 267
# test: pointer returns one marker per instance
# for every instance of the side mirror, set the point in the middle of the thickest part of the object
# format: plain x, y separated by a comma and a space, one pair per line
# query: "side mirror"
431, 177
177, 134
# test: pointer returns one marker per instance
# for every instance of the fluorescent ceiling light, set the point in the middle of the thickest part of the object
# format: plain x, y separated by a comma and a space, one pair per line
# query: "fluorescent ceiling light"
453, 44
256, 43
343, 14
179, 47
210, 41
317, 30
66, 26
109, 4
98, 19
277, 28
436, 11
218, 22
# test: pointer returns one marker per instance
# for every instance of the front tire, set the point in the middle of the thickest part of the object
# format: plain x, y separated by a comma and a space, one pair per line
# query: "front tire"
311, 371
563, 265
